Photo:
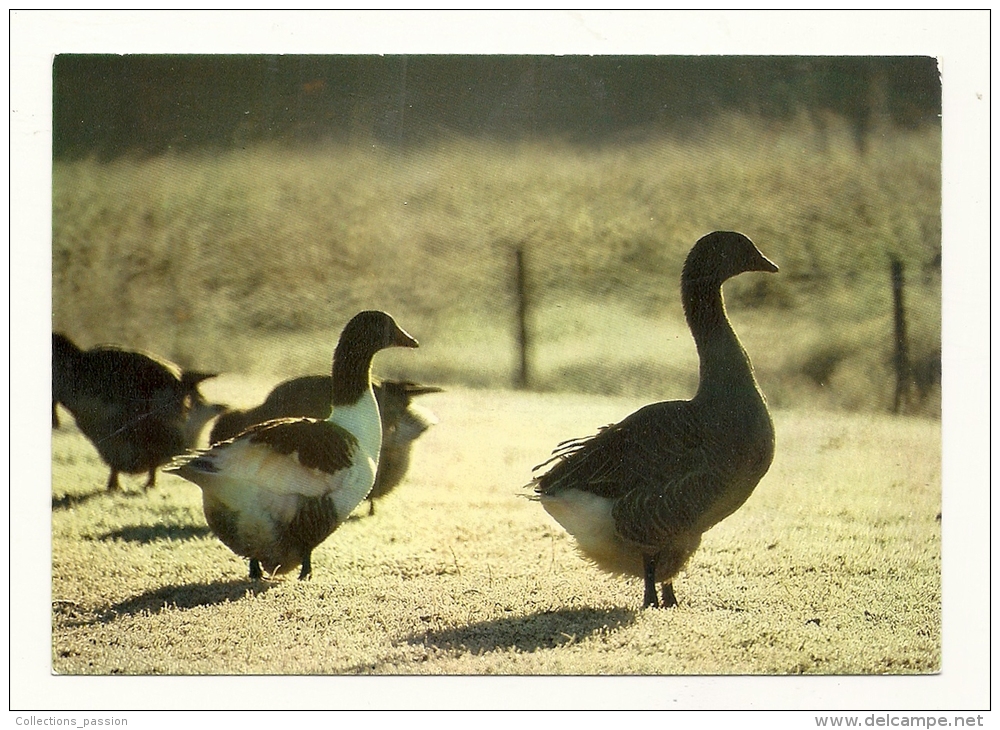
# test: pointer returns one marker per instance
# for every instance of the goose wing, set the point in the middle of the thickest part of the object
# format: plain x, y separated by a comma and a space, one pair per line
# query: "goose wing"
117, 373
652, 446
280, 466
656, 466
317, 444
652, 518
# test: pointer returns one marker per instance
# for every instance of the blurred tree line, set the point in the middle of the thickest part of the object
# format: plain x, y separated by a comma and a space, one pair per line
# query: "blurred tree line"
110, 105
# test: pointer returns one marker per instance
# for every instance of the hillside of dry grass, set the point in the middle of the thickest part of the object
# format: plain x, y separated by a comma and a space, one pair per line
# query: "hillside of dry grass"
250, 261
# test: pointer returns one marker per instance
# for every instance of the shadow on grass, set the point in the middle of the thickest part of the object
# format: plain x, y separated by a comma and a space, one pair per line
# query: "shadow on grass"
182, 597
145, 534
68, 501
546, 630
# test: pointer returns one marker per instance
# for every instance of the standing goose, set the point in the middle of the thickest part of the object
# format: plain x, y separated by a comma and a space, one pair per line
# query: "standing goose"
137, 410
279, 488
402, 421
638, 495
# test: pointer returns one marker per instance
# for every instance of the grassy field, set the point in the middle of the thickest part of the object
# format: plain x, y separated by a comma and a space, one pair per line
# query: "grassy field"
246, 260
832, 567
249, 262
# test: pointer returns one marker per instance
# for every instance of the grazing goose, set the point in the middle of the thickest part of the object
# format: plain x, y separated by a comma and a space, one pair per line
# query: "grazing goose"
137, 410
402, 421
279, 488
638, 495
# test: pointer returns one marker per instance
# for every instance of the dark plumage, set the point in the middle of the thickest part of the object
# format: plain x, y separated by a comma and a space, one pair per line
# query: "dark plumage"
309, 395
277, 489
638, 495
137, 410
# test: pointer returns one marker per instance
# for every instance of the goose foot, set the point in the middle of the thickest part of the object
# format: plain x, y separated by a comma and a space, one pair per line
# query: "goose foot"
307, 570
255, 572
669, 599
649, 599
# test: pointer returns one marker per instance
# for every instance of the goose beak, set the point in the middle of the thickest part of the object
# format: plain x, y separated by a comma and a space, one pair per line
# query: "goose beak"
766, 265
403, 339
423, 389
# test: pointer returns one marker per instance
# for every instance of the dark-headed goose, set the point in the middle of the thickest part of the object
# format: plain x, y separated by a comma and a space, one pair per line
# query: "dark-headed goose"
638, 495
137, 410
402, 421
279, 488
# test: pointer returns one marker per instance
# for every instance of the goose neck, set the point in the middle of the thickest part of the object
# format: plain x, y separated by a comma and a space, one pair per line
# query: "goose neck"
723, 363
351, 375
361, 419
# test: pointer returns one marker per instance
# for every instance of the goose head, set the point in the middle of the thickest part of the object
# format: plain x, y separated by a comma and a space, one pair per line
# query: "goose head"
721, 255
366, 334
371, 331
395, 402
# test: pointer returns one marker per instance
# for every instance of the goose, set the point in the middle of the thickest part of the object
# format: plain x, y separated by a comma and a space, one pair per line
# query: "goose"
279, 488
137, 409
309, 395
402, 420
638, 495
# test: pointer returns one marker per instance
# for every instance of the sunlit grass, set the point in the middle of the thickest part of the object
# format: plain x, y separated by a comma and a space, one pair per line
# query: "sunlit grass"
249, 262
833, 566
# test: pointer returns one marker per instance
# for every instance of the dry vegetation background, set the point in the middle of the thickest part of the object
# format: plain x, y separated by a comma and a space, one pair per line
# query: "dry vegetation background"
251, 260
248, 262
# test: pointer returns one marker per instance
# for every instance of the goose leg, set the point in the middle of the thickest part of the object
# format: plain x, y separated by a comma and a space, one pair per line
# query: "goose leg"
371, 507
151, 480
113, 485
649, 598
255, 571
669, 599
307, 569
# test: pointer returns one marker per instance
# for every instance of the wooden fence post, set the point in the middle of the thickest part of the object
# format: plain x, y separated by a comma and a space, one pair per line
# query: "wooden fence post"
901, 359
523, 377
